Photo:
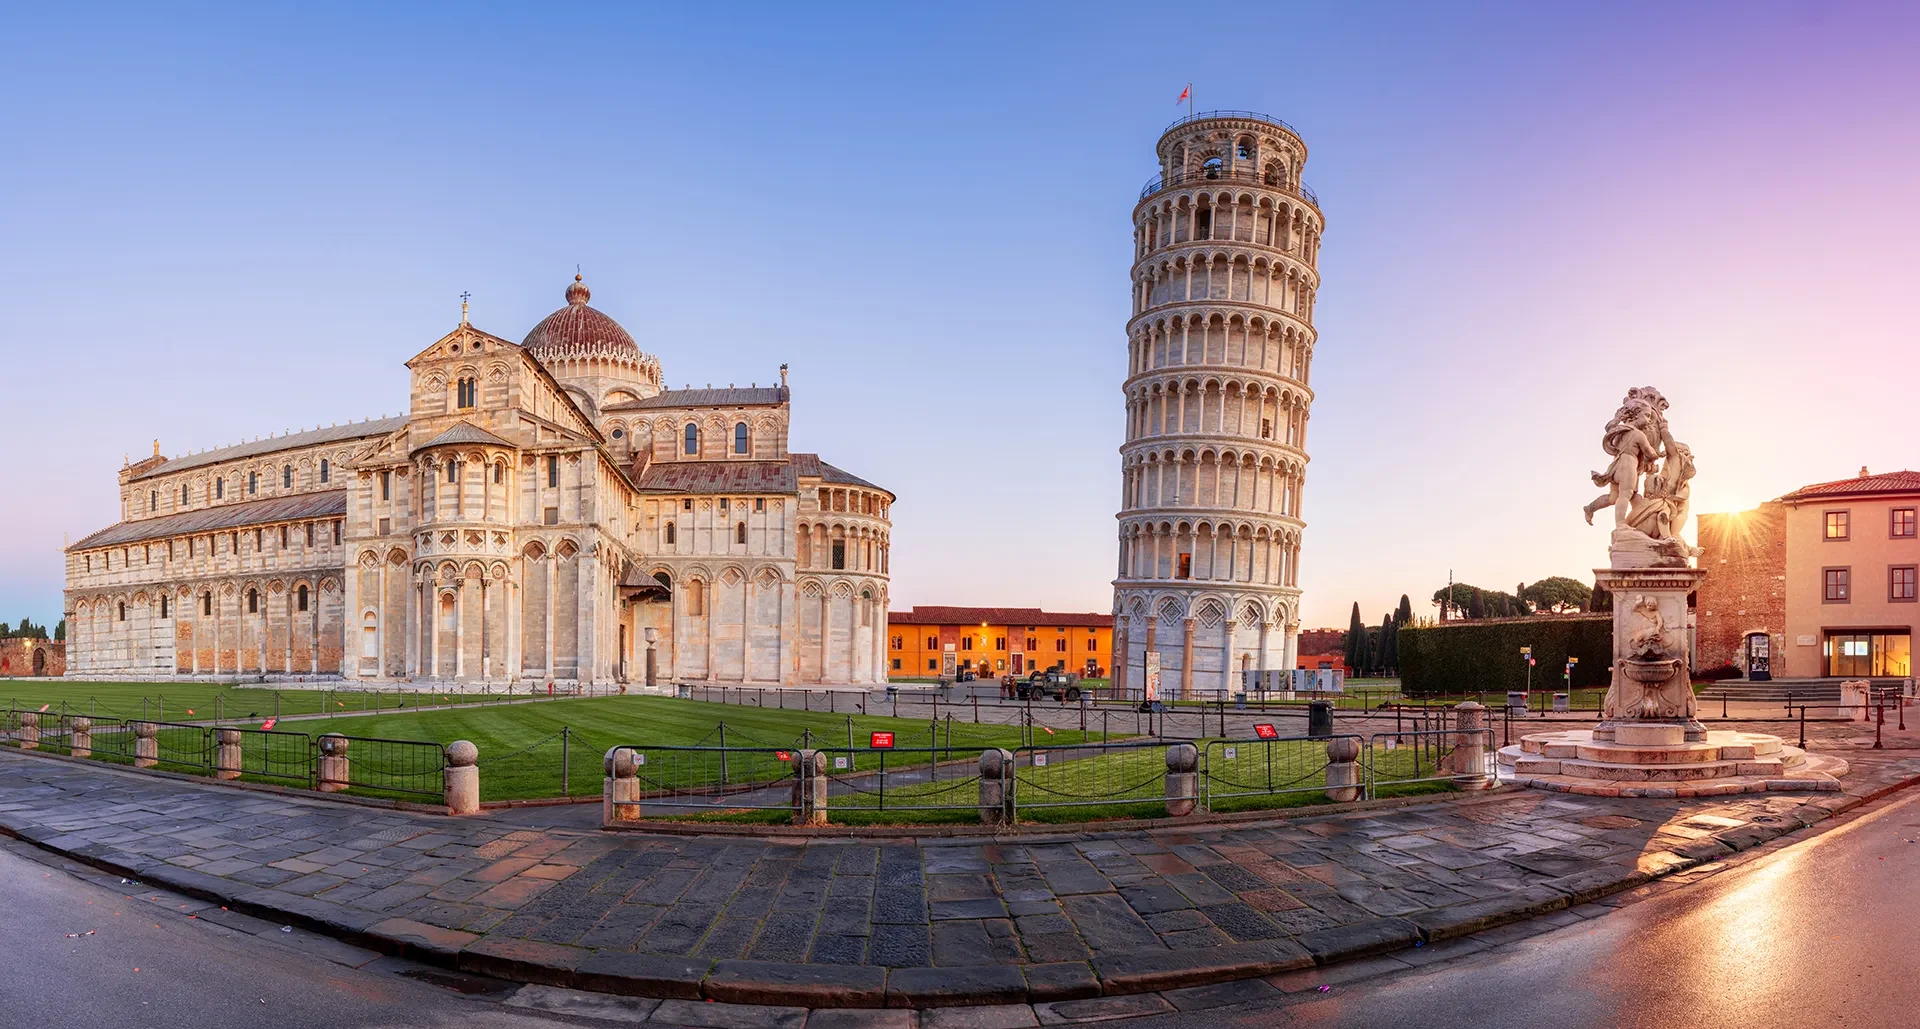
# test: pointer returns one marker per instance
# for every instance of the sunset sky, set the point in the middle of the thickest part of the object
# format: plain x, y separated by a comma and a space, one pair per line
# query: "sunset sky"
225, 223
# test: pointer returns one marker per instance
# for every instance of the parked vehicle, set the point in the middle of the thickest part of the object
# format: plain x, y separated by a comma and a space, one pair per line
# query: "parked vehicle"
1049, 685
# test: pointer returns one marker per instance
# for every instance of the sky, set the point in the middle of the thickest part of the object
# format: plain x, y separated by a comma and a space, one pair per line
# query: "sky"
221, 222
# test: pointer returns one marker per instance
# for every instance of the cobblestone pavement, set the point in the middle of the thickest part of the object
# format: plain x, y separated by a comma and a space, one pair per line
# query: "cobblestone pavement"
1019, 916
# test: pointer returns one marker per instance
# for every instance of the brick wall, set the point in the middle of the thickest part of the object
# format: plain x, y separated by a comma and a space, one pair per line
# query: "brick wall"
1745, 558
16, 657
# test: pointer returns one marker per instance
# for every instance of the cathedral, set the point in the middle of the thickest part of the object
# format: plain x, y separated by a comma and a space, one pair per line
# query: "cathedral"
546, 512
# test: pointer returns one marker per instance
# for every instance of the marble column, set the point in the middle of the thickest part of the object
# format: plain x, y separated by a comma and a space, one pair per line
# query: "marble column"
1186, 659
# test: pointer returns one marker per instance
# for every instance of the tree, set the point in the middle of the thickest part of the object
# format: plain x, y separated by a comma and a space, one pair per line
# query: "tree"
60, 631
6, 631
1405, 613
1560, 594
1602, 599
1477, 604
1462, 596
1383, 645
1356, 639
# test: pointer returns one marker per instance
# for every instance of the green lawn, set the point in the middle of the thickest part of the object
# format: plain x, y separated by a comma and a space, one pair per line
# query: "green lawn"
190, 701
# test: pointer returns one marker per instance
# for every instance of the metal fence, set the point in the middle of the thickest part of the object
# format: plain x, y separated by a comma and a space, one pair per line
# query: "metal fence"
276, 755
1240, 773
1091, 774
696, 780
1397, 759
412, 768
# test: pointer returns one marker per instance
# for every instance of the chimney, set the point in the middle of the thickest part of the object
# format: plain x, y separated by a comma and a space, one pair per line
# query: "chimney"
1863, 471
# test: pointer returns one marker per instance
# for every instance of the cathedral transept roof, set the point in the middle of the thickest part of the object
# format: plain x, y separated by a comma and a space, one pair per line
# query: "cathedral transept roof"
325, 504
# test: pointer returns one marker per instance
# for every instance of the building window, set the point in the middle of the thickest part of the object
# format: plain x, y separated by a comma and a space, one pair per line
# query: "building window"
283, 537
1032, 644
253, 482
896, 664
386, 485
839, 554
553, 471
336, 534
671, 537
286, 476
206, 603
897, 643
740, 438
309, 534
1093, 644
966, 643
1900, 583
386, 526
692, 444
696, 597
1836, 582
933, 643
469, 393
1837, 525
257, 538
552, 516
999, 643
740, 532
1060, 646
1902, 524
1184, 567
723, 503
932, 664
153, 500
453, 471
686, 505
253, 602
123, 611
219, 488
326, 470
164, 608
300, 598
759, 504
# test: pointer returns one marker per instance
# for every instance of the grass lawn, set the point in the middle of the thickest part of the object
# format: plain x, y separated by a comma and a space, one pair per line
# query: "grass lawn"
520, 745
194, 701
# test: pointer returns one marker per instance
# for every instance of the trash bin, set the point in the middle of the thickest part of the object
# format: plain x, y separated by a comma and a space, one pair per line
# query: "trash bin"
683, 691
892, 692
1560, 702
1320, 719
1240, 701
1516, 702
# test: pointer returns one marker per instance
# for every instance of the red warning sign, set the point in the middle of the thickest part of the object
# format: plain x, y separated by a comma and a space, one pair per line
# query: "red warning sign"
783, 755
881, 741
1266, 731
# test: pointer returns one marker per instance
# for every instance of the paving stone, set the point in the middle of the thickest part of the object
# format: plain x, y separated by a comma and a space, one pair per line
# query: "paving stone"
1220, 995
790, 982
1105, 922
1473, 916
728, 1016
985, 908
1061, 980
523, 960
900, 946
1004, 1016
1141, 971
1101, 1008
862, 1018
648, 975
582, 1004
945, 987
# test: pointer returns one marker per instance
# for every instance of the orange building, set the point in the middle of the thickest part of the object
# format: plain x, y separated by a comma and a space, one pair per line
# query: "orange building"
996, 641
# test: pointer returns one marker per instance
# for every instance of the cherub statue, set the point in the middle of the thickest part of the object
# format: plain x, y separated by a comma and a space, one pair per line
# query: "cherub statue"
1630, 440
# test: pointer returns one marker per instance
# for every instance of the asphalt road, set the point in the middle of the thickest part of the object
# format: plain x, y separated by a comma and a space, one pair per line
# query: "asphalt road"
1818, 934
148, 966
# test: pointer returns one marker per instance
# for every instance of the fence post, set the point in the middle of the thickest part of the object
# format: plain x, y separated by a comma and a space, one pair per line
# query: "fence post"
29, 730
996, 799
1183, 778
1343, 769
226, 753
566, 761
146, 749
723, 753
462, 785
810, 788
334, 769
1469, 758
80, 744
620, 799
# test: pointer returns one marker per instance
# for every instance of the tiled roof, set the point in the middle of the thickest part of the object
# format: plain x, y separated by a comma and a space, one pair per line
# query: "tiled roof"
464, 432
749, 397
324, 504
922, 615
1885, 482
273, 444
718, 477
810, 466
577, 330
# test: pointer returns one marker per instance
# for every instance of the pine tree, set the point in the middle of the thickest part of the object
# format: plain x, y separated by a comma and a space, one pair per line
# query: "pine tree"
60, 631
1356, 638
6, 631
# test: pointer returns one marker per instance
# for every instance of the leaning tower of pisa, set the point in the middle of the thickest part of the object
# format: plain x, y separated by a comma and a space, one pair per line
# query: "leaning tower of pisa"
1220, 354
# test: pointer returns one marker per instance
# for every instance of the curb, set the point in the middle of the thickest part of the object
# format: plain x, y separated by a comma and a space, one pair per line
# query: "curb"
870, 986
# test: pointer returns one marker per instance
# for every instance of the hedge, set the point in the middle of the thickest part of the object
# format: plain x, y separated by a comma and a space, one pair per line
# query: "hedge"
1469, 657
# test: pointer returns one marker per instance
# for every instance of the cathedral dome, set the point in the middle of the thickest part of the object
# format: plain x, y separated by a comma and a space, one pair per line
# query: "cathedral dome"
577, 330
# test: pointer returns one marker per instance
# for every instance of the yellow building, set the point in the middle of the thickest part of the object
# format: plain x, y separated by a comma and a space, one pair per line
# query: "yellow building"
997, 641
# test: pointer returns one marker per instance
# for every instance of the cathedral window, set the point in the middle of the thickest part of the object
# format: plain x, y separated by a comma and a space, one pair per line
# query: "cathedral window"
163, 606
123, 611
469, 392
309, 534
692, 445
386, 485
670, 534
283, 537
740, 532
183, 495
206, 603
153, 500
499, 472
219, 488
552, 516
256, 541
286, 476
759, 504
325, 470
253, 602
253, 482
686, 505
839, 554
740, 438
453, 471
696, 597
300, 598
553, 471
723, 503
336, 534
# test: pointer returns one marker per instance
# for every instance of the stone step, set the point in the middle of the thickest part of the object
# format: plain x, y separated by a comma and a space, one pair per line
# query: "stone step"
1663, 773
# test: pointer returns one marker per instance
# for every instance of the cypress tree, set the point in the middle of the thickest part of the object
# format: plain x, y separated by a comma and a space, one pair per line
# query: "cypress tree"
1356, 639
1405, 612
1476, 604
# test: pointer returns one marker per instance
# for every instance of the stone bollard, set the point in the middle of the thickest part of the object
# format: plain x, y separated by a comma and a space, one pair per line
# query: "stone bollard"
29, 730
1183, 778
226, 753
809, 788
1343, 769
463, 778
80, 744
334, 768
1470, 746
620, 801
146, 747
996, 782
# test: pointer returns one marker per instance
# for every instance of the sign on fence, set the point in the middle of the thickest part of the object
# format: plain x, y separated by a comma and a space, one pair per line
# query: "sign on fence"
1266, 731
881, 741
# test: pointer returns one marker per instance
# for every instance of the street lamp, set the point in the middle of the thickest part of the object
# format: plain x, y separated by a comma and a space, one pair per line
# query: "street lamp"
651, 634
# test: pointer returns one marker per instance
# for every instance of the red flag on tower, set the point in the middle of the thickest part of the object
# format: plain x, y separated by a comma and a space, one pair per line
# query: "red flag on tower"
1184, 94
